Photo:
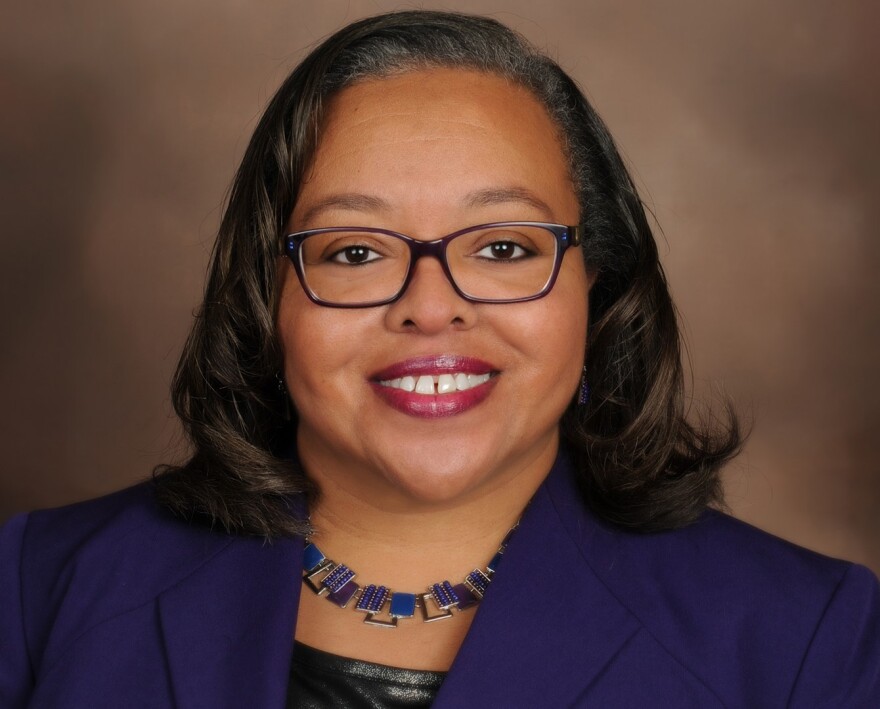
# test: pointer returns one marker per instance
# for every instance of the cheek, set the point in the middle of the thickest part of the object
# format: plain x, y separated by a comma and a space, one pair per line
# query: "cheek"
572, 307
322, 347
552, 333
303, 339
572, 291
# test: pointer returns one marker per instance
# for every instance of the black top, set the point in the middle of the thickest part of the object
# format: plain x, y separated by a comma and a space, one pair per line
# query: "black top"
320, 679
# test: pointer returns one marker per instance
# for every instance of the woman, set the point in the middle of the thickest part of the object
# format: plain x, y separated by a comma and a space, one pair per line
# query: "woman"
436, 347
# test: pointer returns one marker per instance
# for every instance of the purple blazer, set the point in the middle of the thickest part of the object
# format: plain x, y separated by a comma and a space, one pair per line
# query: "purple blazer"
113, 603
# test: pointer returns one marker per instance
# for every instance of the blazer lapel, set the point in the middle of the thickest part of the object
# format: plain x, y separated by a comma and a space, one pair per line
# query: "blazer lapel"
547, 627
228, 627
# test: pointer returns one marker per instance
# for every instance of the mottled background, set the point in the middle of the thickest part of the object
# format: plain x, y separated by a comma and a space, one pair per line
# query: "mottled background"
751, 128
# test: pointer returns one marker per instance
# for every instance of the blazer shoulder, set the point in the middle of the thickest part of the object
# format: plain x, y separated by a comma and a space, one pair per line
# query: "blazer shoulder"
130, 506
733, 567
718, 558
78, 565
723, 544
127, 533
707, 591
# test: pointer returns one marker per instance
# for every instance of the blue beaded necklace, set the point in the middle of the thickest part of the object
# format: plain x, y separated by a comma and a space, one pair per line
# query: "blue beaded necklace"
384, 607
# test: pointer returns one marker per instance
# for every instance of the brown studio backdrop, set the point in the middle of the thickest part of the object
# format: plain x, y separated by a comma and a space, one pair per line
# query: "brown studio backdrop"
750, 126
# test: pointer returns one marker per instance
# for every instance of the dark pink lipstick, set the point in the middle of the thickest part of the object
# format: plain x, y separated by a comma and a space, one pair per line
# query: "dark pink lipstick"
435, 386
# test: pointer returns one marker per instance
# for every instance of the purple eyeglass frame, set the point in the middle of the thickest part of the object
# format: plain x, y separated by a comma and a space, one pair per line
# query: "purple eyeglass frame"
566, 236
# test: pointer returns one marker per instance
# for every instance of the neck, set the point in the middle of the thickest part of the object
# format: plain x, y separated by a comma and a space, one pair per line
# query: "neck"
408, 546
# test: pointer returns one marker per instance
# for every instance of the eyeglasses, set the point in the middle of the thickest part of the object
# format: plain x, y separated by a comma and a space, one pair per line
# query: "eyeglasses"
359, 267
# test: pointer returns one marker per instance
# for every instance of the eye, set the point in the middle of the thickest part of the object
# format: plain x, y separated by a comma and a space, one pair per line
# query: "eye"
503, 251
354, 255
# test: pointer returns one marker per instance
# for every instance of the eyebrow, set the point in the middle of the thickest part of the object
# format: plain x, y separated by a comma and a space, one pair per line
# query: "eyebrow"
505, 195
358, 202
351, 201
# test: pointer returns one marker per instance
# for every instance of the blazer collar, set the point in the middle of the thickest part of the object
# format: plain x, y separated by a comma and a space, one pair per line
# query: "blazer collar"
546, 617
228, 627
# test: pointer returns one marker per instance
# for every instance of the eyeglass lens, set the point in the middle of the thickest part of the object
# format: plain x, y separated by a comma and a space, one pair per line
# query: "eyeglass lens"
498, 263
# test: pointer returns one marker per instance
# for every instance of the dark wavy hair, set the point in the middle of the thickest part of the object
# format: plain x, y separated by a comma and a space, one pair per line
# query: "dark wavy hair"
643, 464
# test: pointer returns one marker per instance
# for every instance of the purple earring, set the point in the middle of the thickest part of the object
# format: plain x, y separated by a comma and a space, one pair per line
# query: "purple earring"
584, 390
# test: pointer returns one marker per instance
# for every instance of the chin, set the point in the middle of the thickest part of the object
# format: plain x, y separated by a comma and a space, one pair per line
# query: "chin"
451, 469
440, 483
436, 490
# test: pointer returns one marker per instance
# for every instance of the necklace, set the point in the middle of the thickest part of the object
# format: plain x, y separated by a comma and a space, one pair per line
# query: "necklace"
383, 606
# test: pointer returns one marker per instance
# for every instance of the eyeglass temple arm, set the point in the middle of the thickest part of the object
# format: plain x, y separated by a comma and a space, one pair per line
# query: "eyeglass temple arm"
575, 235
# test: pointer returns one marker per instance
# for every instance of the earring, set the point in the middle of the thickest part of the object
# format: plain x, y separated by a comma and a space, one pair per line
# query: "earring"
282, 391
584, 389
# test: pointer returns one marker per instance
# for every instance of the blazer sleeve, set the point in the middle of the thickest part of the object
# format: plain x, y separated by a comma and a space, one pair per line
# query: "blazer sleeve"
16, 675
842, 665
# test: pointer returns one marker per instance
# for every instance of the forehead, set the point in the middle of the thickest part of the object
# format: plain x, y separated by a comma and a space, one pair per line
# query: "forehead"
478, 93
425, 137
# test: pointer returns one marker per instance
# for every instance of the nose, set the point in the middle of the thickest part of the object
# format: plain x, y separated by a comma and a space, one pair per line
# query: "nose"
430, 304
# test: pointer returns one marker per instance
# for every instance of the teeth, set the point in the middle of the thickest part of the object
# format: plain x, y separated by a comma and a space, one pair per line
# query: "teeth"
476, 379
441, 384
445, 384
425, 385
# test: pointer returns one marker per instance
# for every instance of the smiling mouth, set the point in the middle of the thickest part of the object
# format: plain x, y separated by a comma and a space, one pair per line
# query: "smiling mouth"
437, 385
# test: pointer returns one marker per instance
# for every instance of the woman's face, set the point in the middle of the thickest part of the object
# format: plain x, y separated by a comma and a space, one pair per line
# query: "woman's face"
427, 153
